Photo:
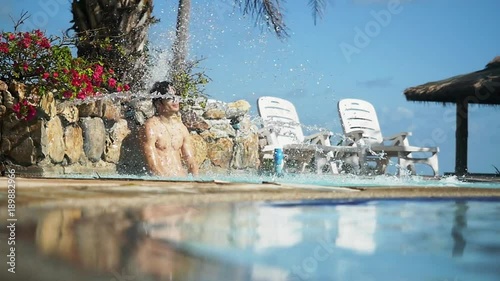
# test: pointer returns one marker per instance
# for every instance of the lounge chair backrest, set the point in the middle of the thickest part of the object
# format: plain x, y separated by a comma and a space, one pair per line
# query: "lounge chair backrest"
356, 115
281, 116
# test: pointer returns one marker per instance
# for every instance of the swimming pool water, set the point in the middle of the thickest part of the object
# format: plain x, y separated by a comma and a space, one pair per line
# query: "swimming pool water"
447, 239
452, 239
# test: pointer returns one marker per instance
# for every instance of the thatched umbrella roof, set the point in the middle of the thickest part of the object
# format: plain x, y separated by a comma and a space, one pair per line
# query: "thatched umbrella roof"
480, 87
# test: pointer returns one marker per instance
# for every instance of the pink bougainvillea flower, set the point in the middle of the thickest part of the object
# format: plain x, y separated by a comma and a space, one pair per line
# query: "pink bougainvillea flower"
112, 82
4, 48
31, 112
67, 94
119, 89
25, 42
24, 110
16, 108
81, 95
98, 69
39, 33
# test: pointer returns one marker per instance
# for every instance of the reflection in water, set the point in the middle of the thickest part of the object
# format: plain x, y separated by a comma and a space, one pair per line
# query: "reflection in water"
459, 224
258, 241
357, 229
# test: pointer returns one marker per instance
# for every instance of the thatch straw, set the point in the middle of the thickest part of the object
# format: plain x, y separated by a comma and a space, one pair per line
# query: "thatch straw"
480, 87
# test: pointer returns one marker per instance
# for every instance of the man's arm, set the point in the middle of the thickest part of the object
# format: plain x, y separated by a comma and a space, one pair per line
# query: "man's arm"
148, 139
188, 153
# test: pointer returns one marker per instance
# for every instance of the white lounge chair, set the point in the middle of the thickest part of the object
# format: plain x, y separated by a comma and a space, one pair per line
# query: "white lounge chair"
360, 124
282, 128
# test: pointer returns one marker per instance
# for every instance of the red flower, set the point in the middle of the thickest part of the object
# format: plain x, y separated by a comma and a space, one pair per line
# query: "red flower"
98, 70
112, 82
25, 42
45, 75
25, 66
81, 95
126, 87
119, 89
55, 74
31, 112
17, 108
24, 110
4, 47
67, 94
39, 33
11, 36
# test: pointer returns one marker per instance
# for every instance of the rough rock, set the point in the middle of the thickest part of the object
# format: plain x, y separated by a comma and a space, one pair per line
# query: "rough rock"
90, 109
24, 153
52, 140
247, 152
143, 109
194, 122
94, 137
3, 110
114, 141
221, 128
214, 113
18, 89
111, 111
215, 110
48, 105
237, 108
68, 112
200, 147
73, 143
8, 99
3, 86
221, 152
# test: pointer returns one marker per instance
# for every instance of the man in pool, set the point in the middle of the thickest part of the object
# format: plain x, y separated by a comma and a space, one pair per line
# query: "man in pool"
165, 139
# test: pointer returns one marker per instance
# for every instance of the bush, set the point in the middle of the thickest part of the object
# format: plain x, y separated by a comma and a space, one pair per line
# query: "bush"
46, 65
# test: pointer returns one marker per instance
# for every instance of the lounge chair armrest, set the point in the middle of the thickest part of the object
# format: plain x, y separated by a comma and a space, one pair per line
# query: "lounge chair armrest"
399, 139
269, 134
322, 138
354, 136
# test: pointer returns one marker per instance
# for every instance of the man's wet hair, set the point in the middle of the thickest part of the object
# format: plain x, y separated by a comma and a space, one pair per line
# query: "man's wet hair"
160, 87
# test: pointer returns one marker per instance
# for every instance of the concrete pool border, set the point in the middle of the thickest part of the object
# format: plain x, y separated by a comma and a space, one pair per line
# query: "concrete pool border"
110, 193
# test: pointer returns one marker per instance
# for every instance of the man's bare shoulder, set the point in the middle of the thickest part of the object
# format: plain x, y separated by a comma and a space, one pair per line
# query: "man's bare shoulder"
150, 126
151, 122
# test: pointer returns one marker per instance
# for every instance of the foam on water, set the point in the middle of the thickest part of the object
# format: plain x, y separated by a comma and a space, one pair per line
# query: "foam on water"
312, 180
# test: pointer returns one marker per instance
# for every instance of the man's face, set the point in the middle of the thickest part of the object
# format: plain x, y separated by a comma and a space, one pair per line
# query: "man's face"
171, 104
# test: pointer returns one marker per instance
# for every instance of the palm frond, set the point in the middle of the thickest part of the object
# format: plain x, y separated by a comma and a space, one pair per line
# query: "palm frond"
318, 7
496, 169
267, 11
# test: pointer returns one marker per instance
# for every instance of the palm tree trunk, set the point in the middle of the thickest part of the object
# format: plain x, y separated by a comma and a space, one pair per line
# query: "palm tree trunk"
114, 31
180, 47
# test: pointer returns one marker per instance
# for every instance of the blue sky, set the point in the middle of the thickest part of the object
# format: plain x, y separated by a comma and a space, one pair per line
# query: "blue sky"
422, 41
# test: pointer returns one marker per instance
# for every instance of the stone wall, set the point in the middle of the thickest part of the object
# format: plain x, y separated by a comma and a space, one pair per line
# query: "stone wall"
100, 138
